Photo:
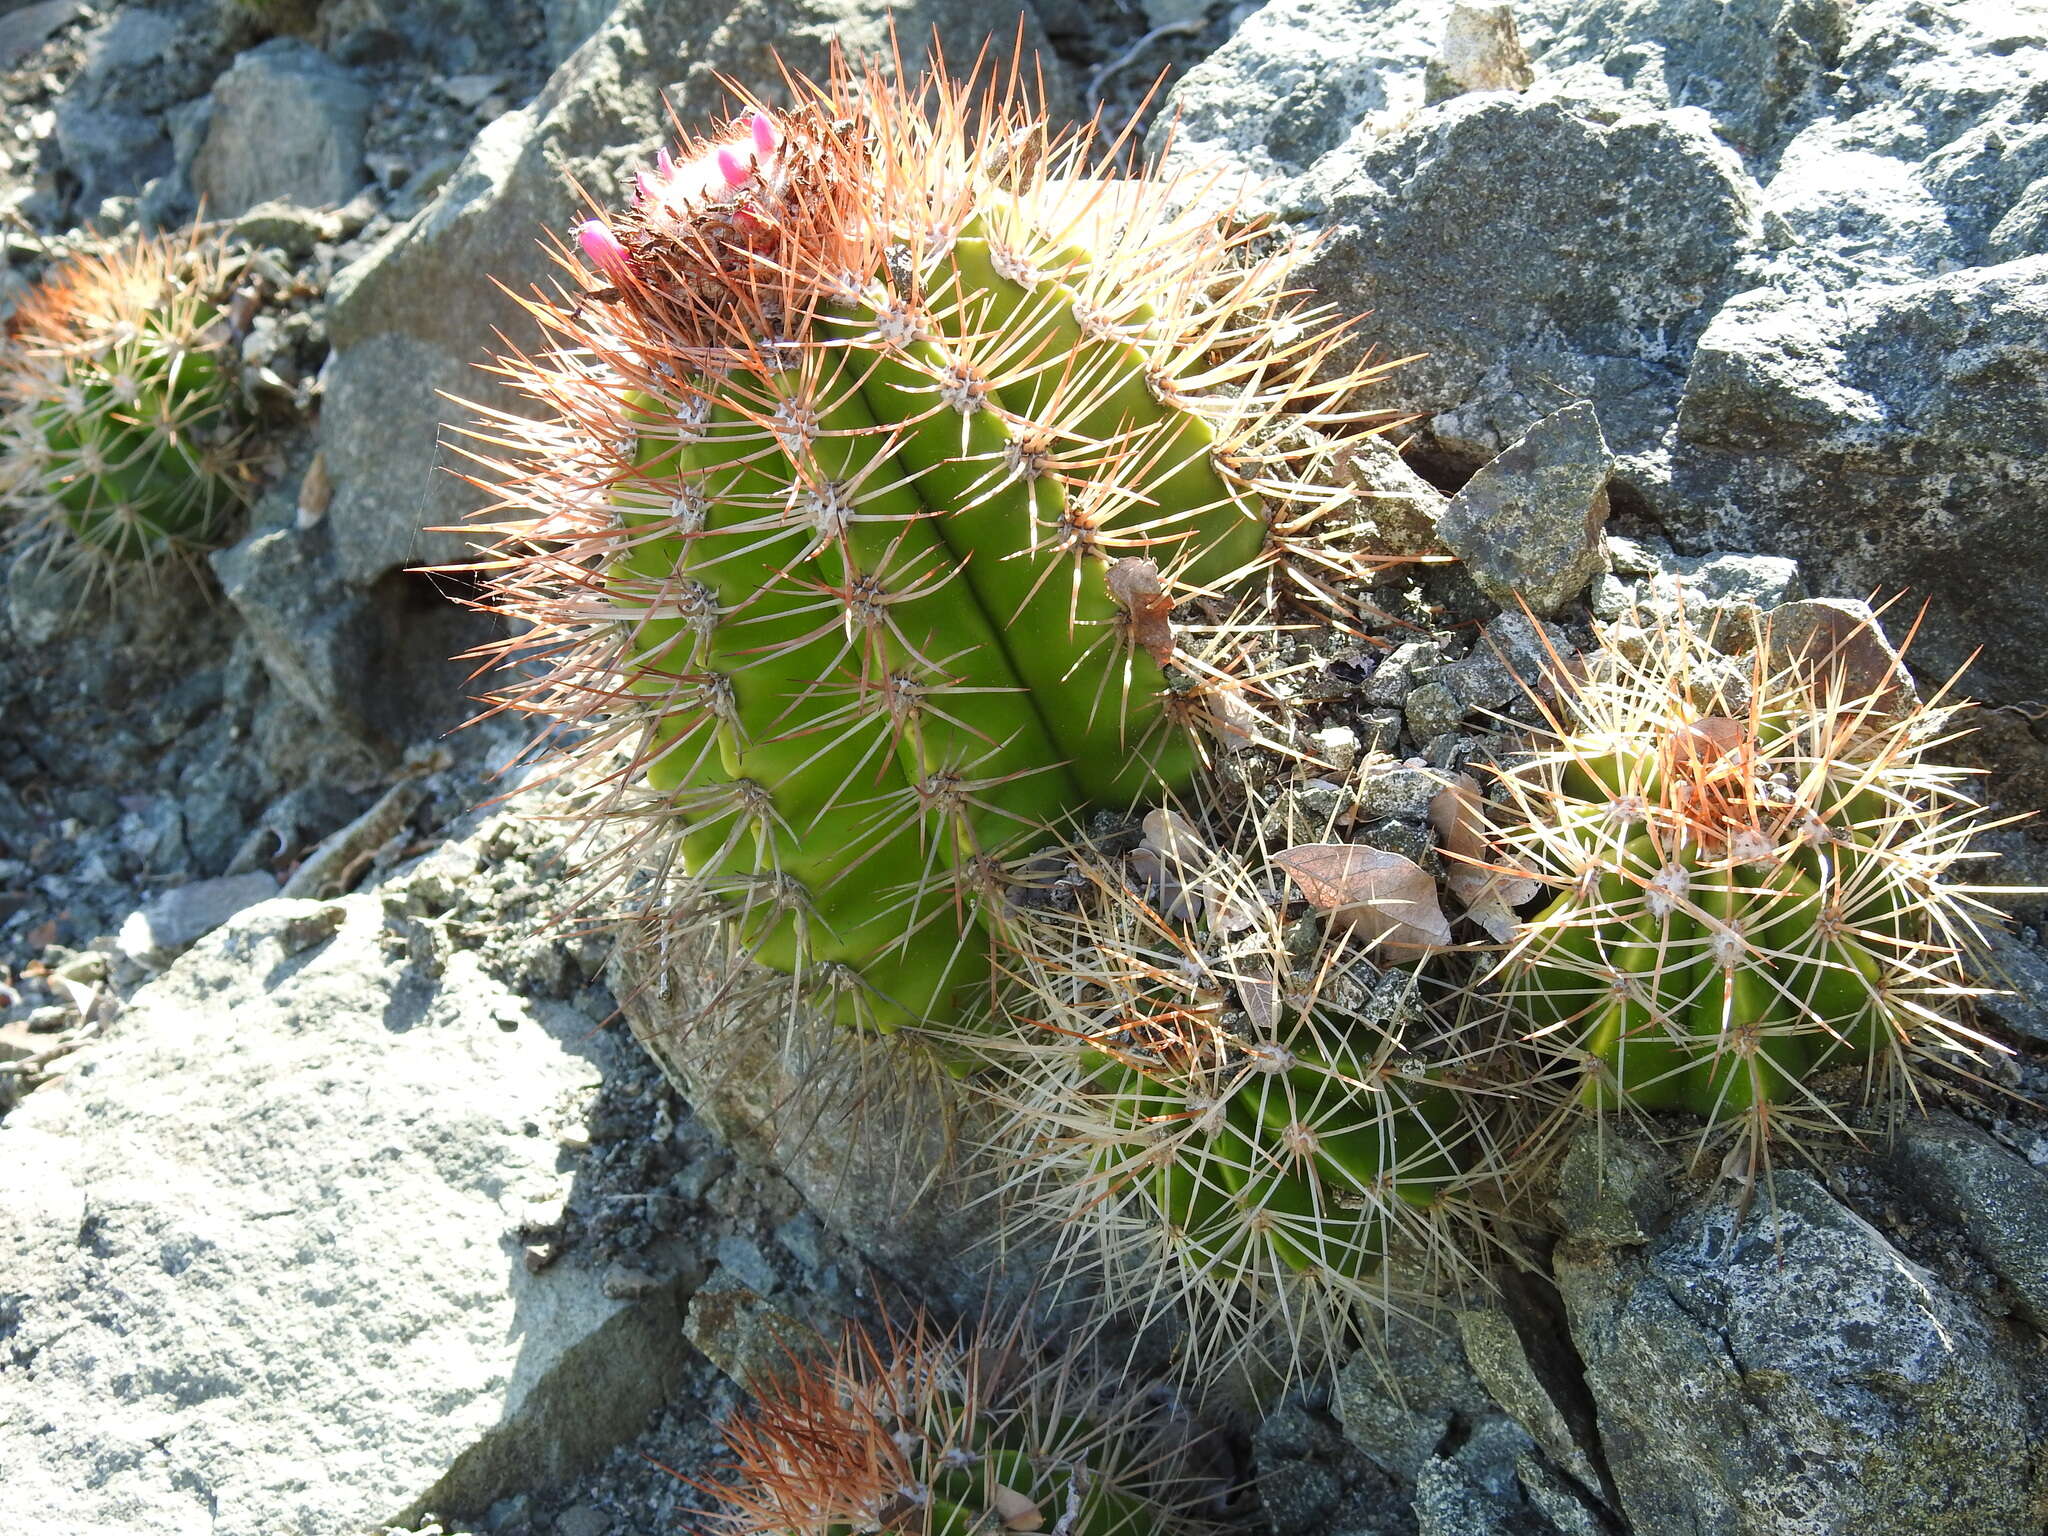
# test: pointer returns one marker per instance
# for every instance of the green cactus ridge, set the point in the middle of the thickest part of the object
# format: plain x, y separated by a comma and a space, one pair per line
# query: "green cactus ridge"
1745, 901
888, 539
123, 425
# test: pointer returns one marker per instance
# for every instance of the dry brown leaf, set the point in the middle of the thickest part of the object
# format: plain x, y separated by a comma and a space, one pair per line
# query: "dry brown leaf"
1136, 586
1017, 1512
1488, 895
1381, 897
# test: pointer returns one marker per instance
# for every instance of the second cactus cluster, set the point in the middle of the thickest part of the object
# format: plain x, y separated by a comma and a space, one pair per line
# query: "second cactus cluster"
905, 528
120, 423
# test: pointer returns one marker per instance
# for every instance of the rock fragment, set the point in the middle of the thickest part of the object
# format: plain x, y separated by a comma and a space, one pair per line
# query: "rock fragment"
1528, 525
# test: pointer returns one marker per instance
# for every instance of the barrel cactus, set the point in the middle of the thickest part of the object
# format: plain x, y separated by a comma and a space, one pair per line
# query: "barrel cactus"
894, 491
1753, 866
122, 416
948, 1433
1234, 1115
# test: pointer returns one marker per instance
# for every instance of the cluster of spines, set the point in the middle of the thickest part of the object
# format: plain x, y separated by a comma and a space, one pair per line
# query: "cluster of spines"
1752, 886
120, 419
1236, 1120
876, 455
950, 1432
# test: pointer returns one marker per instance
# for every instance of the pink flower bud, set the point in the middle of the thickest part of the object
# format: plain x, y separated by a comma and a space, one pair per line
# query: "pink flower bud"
764, 135
732, 168
601, 246
650, 189
665, 163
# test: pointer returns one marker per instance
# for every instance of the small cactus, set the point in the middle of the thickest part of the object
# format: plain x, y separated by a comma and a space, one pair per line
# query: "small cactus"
1230, 1115
936, 1432
885, 460
122, 422
1752, 862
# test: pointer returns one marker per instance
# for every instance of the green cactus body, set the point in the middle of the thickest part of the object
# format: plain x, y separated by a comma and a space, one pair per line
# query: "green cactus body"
1265, 1141
1748, 894
123, 420
862, 523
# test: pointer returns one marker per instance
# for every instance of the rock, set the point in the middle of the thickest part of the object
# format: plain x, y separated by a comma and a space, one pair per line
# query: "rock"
1450, 1503
373, 661
260, 1272
1397, 1402
288, 125
1295, 80
1402, 507
181, 916
1891, 433
1396, 790
2019, 972
1481, 52
1612, 1189
1791, 1372
1528, 525
1533, 1377
1469, 238
403, 332
25, 28
1811, 229
2000, 1202
1842, 636
287, 226
862, 1129
108, 132
1432, 710
1310, 1481
748, 1338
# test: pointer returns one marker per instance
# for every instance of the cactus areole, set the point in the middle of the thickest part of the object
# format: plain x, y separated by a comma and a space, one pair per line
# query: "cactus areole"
876, 449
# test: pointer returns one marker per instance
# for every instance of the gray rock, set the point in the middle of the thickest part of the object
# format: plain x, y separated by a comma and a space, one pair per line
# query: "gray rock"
108, 133
1448, 1502
1534, 1379
292, 229
374, 661
747, 1337
1396, 790
875, 1136
287, 124
1754, 66
1612, 1189
1528, 525
1296, 79
1791, 1372
25, 27
2000, 1202
403, 331
1470, 237
181, 916
1753, 211
2019, 972
259, 1276
1481, 52
1432, 710
1889, 434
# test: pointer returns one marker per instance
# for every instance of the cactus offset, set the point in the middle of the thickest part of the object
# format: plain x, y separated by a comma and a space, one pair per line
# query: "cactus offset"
122, 421
1234, 1119
942, 1433
1754, 881
879, 451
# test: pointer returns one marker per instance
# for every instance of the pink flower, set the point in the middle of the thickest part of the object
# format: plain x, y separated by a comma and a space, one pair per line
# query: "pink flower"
764, 136
733, 168
602, 246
